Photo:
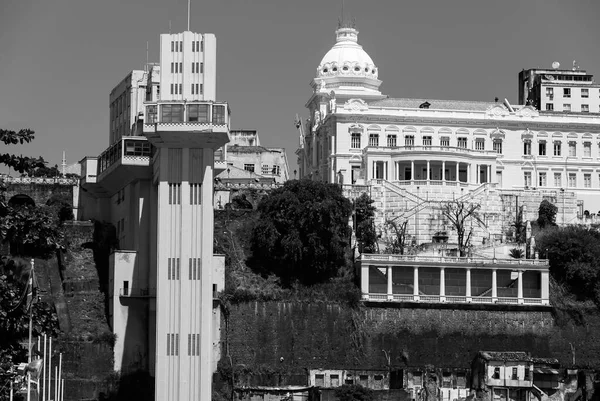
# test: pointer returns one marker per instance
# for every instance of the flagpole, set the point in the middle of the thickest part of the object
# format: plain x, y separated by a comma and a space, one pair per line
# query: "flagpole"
59, 373
44, 372
30, 328
49, 370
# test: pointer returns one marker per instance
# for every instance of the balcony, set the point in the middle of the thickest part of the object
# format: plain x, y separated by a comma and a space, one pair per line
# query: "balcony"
125, 161
411, 151
190, 125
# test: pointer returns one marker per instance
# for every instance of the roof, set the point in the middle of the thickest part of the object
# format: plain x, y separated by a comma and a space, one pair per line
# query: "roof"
237, 173
505, 356
435, 104
545, 371
544, 361
247, 149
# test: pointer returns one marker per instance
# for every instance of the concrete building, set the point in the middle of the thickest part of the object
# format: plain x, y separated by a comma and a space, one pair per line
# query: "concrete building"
244, 151
157, 190
413, 154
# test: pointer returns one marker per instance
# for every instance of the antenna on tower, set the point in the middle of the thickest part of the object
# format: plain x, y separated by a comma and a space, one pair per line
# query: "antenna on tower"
146, 67
64, 163
188, 15
169, 26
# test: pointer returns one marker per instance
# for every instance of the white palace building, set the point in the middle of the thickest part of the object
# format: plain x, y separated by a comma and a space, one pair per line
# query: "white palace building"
413, 153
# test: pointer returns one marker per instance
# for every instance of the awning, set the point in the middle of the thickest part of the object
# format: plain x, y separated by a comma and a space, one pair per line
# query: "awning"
545, 371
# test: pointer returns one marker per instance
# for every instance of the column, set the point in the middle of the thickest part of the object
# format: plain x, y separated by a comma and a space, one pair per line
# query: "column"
416, 283
469, 173
412, 170
494, 286
488, 172
520, 286
443, 175
390, 287
545, 288
364, 280
477, 173
428, 170
457, 166
468, 285
442, 285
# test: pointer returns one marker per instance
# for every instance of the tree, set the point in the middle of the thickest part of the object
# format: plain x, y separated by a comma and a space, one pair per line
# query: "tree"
520, 226
354, 392
546, 214
574, 256
366, 235
31, 231
398, 243
459, 214
302, 232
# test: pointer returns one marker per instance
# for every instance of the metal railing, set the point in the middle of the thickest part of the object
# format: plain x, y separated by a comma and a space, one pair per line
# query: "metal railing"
451, 260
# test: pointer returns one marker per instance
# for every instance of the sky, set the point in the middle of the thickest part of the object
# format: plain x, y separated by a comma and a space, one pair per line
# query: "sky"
59, 59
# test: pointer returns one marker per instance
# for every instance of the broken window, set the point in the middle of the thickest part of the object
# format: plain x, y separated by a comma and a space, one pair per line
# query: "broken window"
319, 380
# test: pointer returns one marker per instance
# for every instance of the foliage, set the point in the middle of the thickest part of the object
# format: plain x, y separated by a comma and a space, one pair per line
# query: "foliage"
30, 231
547, 214
459, 214
520, 226
302, 232
398, 243
574, 255
364, 211
354, 392
517, 253
46, 171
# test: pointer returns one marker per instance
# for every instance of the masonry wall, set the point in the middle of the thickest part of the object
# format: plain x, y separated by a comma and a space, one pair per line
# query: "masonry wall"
330, 336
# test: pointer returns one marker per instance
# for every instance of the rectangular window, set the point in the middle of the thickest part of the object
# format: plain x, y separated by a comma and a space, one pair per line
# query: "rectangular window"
572, 180
498, 146
201, 46
172, 46
180, 67
417, 379
550, 92
201, 90
265, 169
446, 379
391, 140
585, 108
409, 140
171, 113
514, 374
201, 68
335, 380
462, 142
527, 147
172, 68
151, 114
219, 115
496, 374
479, 144
249, 167
558, 180
557, 148
173, 269
192, 89
461, 380
445, 141
427, 140
526, 375
174, 194
549, 106
378, 382
276, 170
585, 93
572, 149
193, 45
198, 113
197, 45
587, 180
171, 89
542, 148
319, 380
181, 89
566, 92
527, 178
566, 107
195, 198
587, 149
355, 140
373, 140
181, 45
363, 380
542, 179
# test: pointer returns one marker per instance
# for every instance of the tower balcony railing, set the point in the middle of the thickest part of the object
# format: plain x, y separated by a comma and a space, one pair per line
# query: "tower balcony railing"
173, 115
450, 261
131, 151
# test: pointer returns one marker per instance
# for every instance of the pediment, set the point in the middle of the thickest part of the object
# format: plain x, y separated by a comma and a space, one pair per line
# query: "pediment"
497, 110
527, 111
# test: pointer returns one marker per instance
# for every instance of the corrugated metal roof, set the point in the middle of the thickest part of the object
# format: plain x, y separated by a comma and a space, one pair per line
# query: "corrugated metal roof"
505, 356
434, 104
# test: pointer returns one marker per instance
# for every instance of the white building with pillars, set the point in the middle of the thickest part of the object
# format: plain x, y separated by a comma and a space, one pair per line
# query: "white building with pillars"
411, 153
154, 183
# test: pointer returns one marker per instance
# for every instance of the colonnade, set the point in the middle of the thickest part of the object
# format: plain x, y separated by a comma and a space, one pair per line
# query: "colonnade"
474, 173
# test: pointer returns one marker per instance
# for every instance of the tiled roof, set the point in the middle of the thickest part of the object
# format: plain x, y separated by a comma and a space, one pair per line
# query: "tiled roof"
247, 149
505, 356
434, 104
237, 173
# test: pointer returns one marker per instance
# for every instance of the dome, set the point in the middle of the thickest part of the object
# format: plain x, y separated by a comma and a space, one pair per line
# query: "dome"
347, 57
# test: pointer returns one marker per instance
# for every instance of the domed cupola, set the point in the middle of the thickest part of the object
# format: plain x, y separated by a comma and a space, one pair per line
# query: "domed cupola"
347, 68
